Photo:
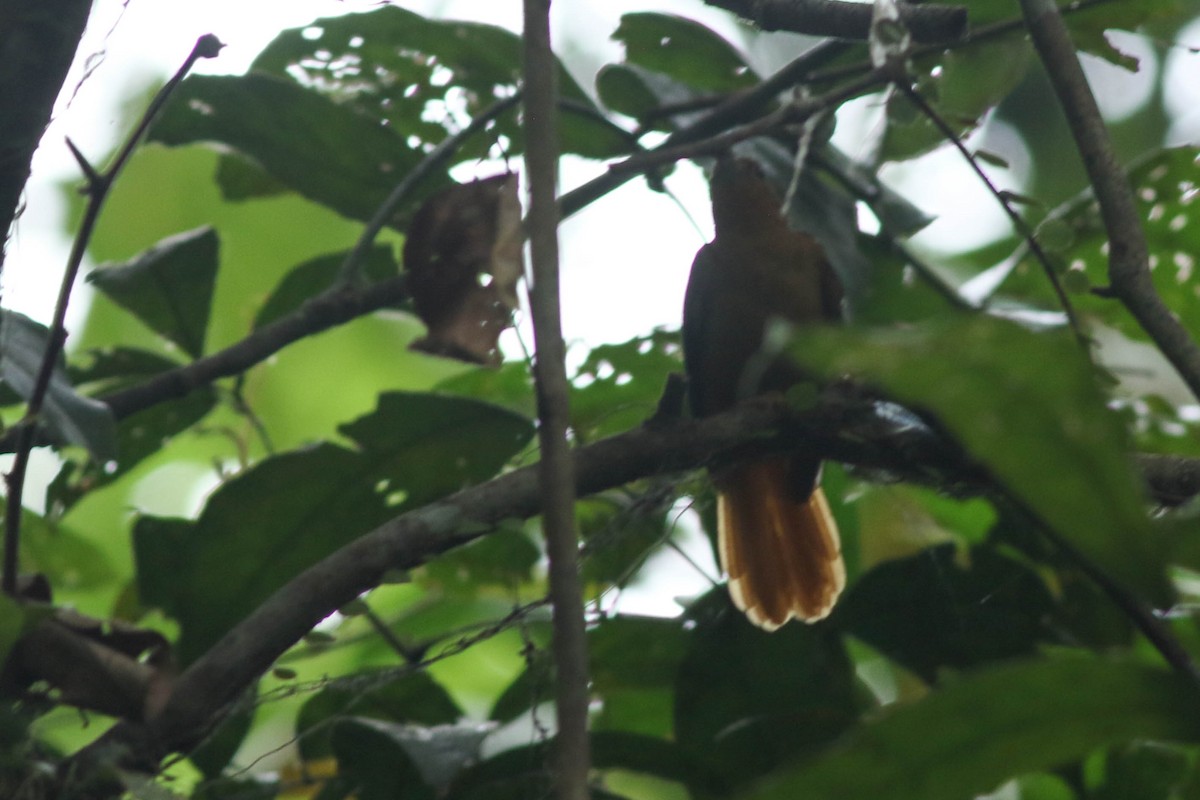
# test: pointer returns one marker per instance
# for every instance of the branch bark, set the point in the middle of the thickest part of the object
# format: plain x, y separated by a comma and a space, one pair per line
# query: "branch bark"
942, 24
556, 469
1128, 259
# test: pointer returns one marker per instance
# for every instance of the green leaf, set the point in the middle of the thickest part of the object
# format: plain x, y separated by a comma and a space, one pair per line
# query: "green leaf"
421, 77
971, 735
961, 85
783, 694
373, 760
684, 50
428, 445
256, 531
139, 435
412, 698
168, 287
70, 417
1164, 185
929, 611
309, 279
619, 530
1147, 771
1027, 407
504, 558
329, 153
68, 560
618, 385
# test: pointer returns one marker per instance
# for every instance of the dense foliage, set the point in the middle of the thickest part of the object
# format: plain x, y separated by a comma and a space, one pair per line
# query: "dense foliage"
241, 404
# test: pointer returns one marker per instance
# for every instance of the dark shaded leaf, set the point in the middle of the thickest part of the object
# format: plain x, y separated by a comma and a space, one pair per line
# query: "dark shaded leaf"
71, 417
168, 287
375, 763
525, 772
316, 275
930, 611
413, 698
782, 694
1147, 771
973, 734
1025, 405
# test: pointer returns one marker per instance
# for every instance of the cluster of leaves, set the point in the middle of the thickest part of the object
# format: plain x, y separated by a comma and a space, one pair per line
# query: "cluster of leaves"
966, 652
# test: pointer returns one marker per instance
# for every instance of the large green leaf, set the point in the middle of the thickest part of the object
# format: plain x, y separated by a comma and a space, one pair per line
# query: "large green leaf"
169, 287
257, 530
71, 417
747, 701
685, 50
972, 734
411, 698
617, 386
309, 279
1027, 407
929, 611
329, 153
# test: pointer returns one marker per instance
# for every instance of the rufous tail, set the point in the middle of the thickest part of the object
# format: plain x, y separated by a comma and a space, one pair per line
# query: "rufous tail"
783, 557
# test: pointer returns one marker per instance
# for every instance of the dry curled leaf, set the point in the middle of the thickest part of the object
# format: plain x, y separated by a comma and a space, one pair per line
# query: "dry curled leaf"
463, 259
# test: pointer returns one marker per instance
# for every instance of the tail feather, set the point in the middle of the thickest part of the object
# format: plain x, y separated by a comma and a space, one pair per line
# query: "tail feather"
783, 557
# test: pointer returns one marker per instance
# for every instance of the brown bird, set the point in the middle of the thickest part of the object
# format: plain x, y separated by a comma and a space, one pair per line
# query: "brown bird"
778, 541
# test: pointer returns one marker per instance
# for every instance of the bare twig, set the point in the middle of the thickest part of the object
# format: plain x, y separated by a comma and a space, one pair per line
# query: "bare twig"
844, 20
1017, 220
556, 469
794, 113
1128, 259
98, 186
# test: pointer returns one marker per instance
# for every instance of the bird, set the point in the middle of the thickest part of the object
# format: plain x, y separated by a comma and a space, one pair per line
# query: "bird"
777, 539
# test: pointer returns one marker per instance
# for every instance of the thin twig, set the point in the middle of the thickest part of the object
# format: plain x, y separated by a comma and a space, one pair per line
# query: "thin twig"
1017, 220
350, 272
98, 186
794, 113
556, 477
1128, 258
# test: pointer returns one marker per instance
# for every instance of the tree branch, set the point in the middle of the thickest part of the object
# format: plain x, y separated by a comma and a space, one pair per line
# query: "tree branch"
1128, 259
98, 186
844, 20
556, 469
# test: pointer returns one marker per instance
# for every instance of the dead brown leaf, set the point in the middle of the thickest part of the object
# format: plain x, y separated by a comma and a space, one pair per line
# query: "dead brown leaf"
463, 259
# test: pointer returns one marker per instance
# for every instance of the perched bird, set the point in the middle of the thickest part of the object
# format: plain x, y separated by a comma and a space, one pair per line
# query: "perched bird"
778, 541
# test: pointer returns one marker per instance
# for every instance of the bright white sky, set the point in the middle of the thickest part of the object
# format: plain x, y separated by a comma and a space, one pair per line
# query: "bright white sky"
632, 238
